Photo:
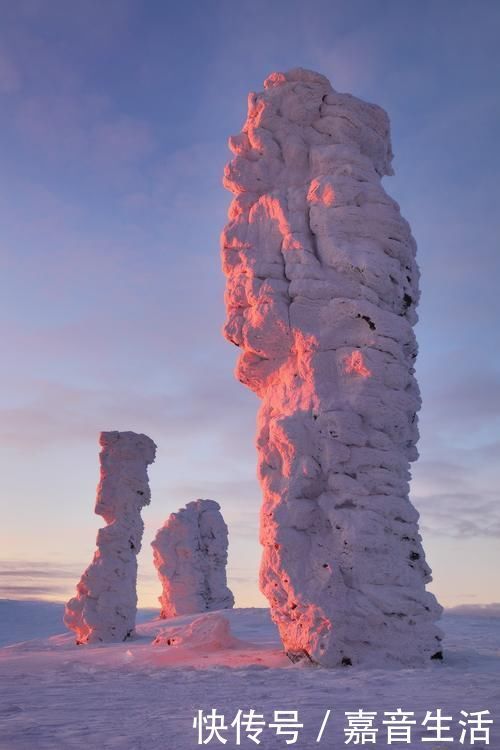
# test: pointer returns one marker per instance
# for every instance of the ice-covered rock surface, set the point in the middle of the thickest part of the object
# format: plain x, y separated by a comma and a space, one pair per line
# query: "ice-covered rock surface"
322, 286
211, 631
104, 608
190, 555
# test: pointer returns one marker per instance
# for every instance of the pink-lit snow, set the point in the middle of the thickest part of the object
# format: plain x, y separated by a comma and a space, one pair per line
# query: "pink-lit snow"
139, 696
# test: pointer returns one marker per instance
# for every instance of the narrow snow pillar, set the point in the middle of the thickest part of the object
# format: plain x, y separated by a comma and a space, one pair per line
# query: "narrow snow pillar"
190, 555
105, 606
322, 286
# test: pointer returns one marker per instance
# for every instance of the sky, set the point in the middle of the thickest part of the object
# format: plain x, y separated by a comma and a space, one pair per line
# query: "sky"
114, 119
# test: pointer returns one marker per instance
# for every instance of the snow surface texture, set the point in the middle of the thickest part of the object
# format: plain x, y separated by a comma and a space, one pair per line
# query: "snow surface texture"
105, 606
190, 555
137, 696
210, 632
322, 286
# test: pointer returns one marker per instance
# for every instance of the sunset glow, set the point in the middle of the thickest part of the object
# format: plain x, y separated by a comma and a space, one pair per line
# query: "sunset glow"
249, 434
354, 365
115, 122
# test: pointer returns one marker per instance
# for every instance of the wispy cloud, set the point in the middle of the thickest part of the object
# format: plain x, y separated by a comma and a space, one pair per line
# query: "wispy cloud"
28, 578
476, 610
27, 591
23, 579
27, 573
58, 413
460, 514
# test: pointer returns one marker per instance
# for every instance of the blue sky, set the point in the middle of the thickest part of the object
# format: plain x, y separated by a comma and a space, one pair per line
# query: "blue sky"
115, 118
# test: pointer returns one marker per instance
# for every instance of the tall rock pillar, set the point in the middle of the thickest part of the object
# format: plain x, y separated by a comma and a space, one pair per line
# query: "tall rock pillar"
190, 556
105, 605
322, 286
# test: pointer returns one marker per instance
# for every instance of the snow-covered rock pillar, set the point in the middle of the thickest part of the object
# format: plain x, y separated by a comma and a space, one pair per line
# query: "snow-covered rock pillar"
190, 556
322, 286
105, 606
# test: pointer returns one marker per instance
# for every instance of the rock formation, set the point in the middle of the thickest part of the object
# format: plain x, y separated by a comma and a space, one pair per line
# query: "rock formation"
209, 633
105, 606
322, 286
190, 555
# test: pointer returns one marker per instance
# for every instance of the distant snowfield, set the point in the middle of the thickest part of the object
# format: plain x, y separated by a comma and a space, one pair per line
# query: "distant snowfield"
140, 696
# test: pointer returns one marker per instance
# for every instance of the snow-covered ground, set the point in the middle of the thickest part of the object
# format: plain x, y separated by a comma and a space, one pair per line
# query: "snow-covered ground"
139, 696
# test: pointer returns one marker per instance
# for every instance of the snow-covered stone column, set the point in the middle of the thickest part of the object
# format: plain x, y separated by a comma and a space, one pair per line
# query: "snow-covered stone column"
190, 555
322, 286
105, 606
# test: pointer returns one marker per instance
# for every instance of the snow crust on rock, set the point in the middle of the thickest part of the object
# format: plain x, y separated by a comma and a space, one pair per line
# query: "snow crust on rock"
105, 606
208, 632
322, 286
190, 556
